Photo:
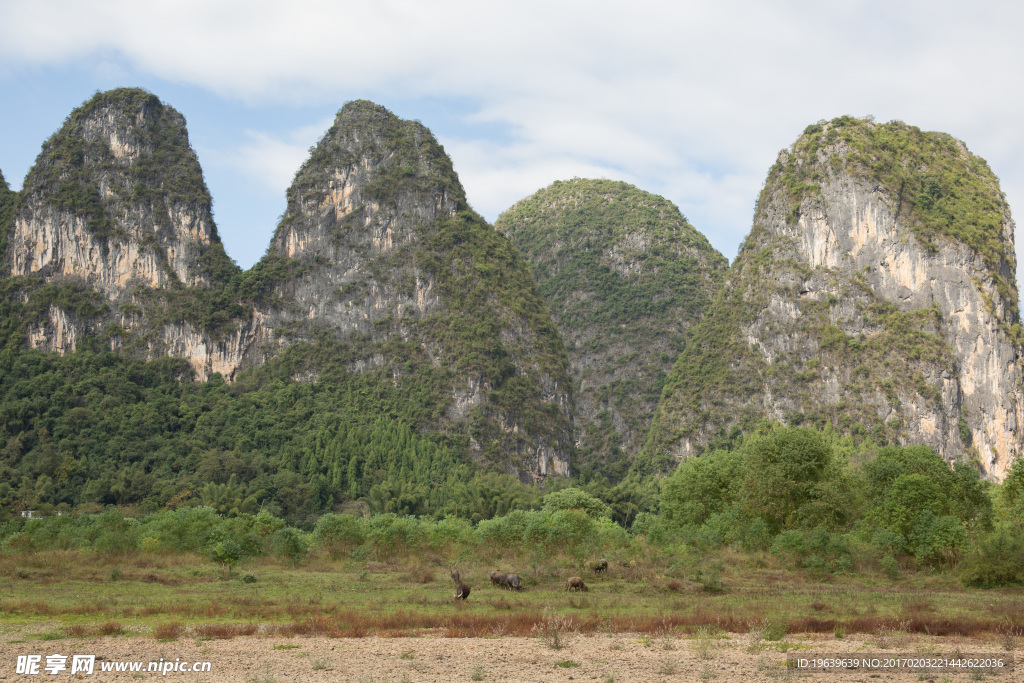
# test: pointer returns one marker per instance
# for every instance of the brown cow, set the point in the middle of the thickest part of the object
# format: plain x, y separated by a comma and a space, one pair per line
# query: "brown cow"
461, 591
497, 578
600, 566
575, 583
455, 575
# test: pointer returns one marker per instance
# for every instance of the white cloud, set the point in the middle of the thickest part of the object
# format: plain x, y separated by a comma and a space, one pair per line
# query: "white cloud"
270, 160
691, 100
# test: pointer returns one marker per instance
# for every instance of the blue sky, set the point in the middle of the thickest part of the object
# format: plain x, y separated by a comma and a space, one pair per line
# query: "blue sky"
691, 101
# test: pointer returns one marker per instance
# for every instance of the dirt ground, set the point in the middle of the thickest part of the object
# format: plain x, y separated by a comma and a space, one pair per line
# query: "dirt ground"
721, 658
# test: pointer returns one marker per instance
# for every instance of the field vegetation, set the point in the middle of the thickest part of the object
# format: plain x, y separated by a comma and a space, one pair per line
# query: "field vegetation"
901, 542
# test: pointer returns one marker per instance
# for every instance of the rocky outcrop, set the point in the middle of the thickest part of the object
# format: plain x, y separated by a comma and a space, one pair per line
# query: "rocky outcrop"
378, 266
875, 293
625, 276
116, 199
379, 251
116, 204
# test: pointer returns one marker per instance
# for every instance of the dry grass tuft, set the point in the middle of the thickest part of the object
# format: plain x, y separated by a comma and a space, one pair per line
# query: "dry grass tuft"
111, 628
225, 631
169, 631
421, 575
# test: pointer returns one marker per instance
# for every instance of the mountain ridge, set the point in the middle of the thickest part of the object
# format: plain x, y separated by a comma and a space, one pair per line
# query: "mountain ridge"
861, 302
378, 257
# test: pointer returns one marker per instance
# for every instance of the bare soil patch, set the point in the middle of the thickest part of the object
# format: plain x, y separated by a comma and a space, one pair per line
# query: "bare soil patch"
720, 657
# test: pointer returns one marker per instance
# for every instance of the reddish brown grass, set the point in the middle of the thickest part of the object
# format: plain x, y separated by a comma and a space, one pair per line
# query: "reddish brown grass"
169, 631
110, 628
225, 631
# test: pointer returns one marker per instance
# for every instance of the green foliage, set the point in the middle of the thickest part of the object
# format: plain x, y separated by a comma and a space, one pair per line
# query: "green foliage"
625, 275
8, 205
290, 543
996, 560
816, 550
702, 486
226, 498
958, 490
786, 473
226, 552
338, 534
96, 427
927, 507
576, 499
787, 478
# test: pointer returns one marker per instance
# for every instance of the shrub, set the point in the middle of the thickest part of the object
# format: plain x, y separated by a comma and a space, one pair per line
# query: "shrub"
289, 542
996, 560
576, 499
338, 534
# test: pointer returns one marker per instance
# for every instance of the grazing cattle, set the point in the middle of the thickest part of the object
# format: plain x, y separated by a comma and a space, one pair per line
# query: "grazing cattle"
575, 583
497, 578
512, 582
455, 575
461, 591
600, 566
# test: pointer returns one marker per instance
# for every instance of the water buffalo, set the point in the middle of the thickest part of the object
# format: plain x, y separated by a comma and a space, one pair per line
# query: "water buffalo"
497, 578
600, 566
461, 591
512, 582
455, 575
575, 583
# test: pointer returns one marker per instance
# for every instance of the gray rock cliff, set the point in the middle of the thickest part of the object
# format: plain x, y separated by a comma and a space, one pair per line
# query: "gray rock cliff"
876, 293
378, 265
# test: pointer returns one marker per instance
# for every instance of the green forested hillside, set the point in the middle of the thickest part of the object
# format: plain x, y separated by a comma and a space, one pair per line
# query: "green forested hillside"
626, 276
93, 428
7, 201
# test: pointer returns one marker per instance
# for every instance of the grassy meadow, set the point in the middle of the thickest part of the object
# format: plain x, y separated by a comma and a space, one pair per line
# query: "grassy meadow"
67, 594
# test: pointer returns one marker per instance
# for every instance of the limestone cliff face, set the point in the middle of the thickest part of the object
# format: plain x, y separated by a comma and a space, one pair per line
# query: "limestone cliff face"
116, 205
379, 266
379, 251
116, 199
875, 292
625, 276
355, 212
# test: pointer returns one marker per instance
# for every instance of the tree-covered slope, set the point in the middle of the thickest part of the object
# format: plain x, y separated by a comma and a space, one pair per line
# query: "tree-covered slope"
390, 351
625, 276
8, 199
875, 292
380, 252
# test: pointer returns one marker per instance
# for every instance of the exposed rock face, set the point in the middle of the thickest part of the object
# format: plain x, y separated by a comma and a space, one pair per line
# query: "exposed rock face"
116, 204
875, 292
378, 264
625, 276
116, 199
380, 251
